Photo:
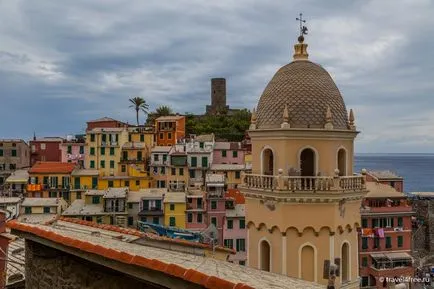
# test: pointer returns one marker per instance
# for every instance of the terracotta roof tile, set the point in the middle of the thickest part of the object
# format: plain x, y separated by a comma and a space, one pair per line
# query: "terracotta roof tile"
190, 275
52, 167
236, 195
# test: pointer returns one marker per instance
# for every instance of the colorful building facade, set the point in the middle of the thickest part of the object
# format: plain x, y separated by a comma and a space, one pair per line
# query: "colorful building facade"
50, 180
215, 203
385, 237
200, 157
196, 215
169, 129
73, 150
174, 210
228, 153
14, 154
234, 228
47, 149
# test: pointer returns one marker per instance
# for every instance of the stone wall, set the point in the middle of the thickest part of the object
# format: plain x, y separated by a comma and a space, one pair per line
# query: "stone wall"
423, 235
51, 268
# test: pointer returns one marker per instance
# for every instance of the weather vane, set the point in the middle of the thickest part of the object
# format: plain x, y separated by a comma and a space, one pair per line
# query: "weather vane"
303, 29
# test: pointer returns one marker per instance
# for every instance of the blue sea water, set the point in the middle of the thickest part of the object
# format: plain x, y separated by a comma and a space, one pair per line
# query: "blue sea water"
416, 169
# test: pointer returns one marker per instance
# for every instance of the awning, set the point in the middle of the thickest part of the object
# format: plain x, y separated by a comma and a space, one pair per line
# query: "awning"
399, 256
391, 256
379, 256
17, 181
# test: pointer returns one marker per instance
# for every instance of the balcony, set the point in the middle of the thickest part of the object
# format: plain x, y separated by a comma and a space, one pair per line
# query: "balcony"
385, 209
132, 161
151, 211
296, 184
109, 144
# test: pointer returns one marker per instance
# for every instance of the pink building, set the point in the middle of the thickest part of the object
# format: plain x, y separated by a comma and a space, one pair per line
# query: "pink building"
228, 153
196, 211
215, 202
234, 228
73, 150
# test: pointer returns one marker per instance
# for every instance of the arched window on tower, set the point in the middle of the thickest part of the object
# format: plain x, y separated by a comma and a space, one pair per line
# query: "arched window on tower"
307, 263
267, 162
342, 162
345, 255
307, 162
265, 256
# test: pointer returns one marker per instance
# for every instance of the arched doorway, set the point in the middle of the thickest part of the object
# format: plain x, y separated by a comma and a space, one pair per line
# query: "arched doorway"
342, 162
307, 162
265, 256
267, 162
345, 255
308, 263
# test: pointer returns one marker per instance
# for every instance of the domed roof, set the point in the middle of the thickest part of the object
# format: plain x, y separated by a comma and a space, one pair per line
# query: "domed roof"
308, 90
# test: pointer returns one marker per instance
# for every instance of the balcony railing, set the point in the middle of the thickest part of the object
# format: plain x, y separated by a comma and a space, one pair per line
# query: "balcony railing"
305, 184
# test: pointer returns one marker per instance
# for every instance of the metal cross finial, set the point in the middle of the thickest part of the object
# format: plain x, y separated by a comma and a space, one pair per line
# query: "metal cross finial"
303, 29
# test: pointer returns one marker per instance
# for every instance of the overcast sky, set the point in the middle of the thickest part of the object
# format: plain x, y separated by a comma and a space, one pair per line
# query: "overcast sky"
63, 63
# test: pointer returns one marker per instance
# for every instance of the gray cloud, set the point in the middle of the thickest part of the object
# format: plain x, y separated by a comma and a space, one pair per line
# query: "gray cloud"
62, 65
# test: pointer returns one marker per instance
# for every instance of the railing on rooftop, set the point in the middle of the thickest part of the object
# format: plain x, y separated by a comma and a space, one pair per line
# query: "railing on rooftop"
303, 184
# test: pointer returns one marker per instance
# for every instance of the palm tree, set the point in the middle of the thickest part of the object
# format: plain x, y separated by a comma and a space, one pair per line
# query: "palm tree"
138, 103
163, 110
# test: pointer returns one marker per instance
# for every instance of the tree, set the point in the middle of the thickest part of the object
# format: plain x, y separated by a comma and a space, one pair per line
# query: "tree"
163, 110
138, 103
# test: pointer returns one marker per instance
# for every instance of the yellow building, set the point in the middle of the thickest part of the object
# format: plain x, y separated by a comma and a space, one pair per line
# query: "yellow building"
50, 180
83, 180
133, 178
302, 199
232, 173
104, 149
41, 210
174, 209
101, 206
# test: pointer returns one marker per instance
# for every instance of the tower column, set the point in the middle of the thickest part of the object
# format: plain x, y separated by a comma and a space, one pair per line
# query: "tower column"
284, 271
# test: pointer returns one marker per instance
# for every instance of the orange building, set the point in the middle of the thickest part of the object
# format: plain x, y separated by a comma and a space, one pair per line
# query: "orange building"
50, 180
169, 129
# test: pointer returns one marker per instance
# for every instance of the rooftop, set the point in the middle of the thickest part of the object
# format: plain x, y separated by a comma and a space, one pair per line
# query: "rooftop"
377, 190
228, 167
136, 196
227, 146
161, 149
95, 193
214, 178
384, 175
170, 117
40, 202
116, 193
11, 140
174, 197
85, 172
423, 194
236, 195
18, 176
52, 167
105, 118
134, 145
106, 129
115, 243
49, 139
16, 265
79, 208
6, 200
204, 138
37, 218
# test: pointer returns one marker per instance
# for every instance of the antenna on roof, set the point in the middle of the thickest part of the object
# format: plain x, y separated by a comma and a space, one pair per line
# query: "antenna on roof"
210, 234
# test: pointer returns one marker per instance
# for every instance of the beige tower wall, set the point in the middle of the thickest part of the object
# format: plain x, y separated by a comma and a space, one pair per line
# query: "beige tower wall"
287, 153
